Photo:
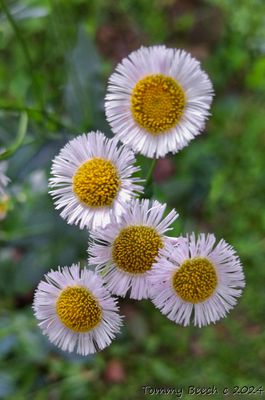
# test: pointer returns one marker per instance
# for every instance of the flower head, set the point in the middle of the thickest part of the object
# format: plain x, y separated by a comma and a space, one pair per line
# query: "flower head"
196, 279
75, 311
158, 100
124, 251
3, 178
92, 179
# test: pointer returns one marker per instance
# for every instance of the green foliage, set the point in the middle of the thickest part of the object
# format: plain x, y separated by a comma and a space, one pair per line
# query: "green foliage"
56, 60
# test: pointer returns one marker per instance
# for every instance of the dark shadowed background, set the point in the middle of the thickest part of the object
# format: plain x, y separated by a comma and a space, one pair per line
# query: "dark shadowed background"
56, 57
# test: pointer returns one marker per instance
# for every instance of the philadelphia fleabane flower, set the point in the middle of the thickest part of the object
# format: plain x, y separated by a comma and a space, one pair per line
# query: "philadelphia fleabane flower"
76, 311
92, 179
196, 280
123, 252
158, 100
3, 178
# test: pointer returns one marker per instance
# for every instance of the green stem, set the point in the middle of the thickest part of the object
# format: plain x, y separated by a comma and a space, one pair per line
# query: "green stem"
148, 190
149, 177
24, 48
49, 116
21, 133
17, 33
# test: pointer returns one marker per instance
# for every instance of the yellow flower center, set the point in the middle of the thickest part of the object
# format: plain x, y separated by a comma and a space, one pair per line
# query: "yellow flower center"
96, 182
136, 248
78, 309
4, 206
195, 280
157, 103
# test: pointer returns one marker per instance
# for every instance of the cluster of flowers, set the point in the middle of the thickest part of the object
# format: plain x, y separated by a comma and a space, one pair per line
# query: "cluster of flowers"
158, 100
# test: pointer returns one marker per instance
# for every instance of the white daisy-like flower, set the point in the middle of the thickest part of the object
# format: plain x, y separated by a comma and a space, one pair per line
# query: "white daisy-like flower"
92, 179
76, 311
3, 178
158, 100
123, 252
196, 280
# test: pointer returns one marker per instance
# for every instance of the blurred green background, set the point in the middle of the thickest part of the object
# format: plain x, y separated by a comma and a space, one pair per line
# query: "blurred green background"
56, 57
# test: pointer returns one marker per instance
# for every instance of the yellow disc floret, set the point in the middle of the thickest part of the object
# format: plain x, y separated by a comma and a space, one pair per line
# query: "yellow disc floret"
96, 182
78, 309
195, 280
136, 248
157, 103
4, 206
